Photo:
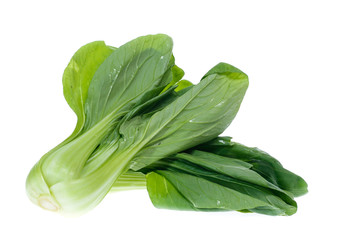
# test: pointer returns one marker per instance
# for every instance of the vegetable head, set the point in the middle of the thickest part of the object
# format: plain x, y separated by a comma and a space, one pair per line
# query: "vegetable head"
136, 117
128, 117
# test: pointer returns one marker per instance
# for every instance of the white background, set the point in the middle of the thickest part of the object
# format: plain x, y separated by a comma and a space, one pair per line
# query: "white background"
288, 49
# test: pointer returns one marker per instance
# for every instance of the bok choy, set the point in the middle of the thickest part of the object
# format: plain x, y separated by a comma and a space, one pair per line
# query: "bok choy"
139, 124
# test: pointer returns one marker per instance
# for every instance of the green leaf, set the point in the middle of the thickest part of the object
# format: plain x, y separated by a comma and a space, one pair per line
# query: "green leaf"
232, 167
164, 195
262, 163
182, 84
206, 189
199, 115
78, 75
222, 68
126, 75
76, 79
177, 75
205, 194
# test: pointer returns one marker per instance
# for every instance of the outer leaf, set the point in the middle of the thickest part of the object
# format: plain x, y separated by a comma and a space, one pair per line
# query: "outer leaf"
164, 195
76, 79
132, 70
262, 163
222, 68
232, 167
206, 194
183, 84
213, 191
177, 75
79, 73
200, 114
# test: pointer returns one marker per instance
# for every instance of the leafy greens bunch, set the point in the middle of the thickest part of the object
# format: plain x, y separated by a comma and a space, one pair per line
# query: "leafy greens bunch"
140, 125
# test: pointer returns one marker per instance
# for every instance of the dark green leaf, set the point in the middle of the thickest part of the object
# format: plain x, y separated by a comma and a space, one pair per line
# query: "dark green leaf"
262, 163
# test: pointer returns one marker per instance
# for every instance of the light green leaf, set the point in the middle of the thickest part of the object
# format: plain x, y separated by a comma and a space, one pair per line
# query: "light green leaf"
222, 68
78, 75
177, 75
164, 195
182, 84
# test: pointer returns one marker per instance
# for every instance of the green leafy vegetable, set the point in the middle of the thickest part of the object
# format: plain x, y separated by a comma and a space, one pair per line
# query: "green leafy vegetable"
140, 125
